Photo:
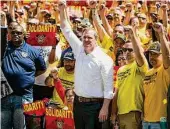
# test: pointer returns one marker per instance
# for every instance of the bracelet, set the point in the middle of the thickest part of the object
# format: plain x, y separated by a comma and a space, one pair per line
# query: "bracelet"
53, 47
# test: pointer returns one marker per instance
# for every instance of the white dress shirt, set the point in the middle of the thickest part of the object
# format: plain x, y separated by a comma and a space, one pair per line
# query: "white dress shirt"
93, 72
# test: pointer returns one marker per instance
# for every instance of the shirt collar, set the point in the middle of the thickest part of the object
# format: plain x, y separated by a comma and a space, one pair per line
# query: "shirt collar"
22, 46
95, 52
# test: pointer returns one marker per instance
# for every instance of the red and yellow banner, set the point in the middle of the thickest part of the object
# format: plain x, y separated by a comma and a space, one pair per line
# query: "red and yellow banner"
59, 119
54, 118
41, 35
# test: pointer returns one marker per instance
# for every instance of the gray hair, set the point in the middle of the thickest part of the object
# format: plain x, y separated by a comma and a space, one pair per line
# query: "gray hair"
91, 29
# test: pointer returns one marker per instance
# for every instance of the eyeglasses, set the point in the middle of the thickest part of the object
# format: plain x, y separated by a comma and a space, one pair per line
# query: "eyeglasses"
16, 32
127, 49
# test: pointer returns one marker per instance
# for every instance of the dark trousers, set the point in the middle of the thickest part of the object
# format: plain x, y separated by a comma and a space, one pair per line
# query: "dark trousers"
86, 114
41, 92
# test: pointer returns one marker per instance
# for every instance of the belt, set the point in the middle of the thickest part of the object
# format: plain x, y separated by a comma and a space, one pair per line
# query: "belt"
83, 99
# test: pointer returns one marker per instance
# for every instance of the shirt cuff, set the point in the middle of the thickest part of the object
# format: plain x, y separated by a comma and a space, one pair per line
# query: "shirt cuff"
108, 95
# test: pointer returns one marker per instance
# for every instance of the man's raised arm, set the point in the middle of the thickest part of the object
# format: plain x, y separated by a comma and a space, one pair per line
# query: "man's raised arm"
158, 27
72, 39
138, 50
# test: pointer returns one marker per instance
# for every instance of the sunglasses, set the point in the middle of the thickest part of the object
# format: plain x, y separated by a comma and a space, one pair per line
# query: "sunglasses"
119, 59
127, 49
16, 32
142, 18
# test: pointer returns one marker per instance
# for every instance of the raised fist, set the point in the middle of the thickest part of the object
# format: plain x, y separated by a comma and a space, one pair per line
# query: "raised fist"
92, 3
164, 7
54, 73
62, 4
158, 27
129, 6
131, 30
102, 9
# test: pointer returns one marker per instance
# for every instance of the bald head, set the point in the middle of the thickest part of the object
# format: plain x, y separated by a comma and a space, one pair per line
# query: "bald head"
18, 27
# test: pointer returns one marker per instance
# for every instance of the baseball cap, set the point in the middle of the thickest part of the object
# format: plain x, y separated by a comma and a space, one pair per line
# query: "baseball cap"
85, 23
69, 56
142, 15
121, 36
109, 16
155, 47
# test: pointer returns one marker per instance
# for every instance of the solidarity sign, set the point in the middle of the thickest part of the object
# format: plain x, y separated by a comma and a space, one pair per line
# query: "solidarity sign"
41, 35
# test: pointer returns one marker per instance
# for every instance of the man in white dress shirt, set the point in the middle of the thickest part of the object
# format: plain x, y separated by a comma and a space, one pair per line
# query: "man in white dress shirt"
93, 76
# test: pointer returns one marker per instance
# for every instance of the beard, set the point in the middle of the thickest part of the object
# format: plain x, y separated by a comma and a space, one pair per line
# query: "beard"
69, 68
152, 62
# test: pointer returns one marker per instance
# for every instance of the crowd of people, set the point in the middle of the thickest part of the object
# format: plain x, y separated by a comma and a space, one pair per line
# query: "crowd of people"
110, 63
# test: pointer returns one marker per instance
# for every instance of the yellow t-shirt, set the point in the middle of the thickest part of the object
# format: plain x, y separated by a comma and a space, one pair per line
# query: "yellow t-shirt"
56, 98
108, 45
155, 86
168, 30
67, 79
143, 38
130, 90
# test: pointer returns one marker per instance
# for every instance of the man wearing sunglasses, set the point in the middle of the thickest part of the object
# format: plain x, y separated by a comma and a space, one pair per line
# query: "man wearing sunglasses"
156, 82
129, 83
142, 32
20, 65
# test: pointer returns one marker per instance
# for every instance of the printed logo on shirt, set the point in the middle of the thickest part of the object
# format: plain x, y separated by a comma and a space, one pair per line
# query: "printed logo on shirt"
67, 84
150, 79
24, 54
111, 49
123, 75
